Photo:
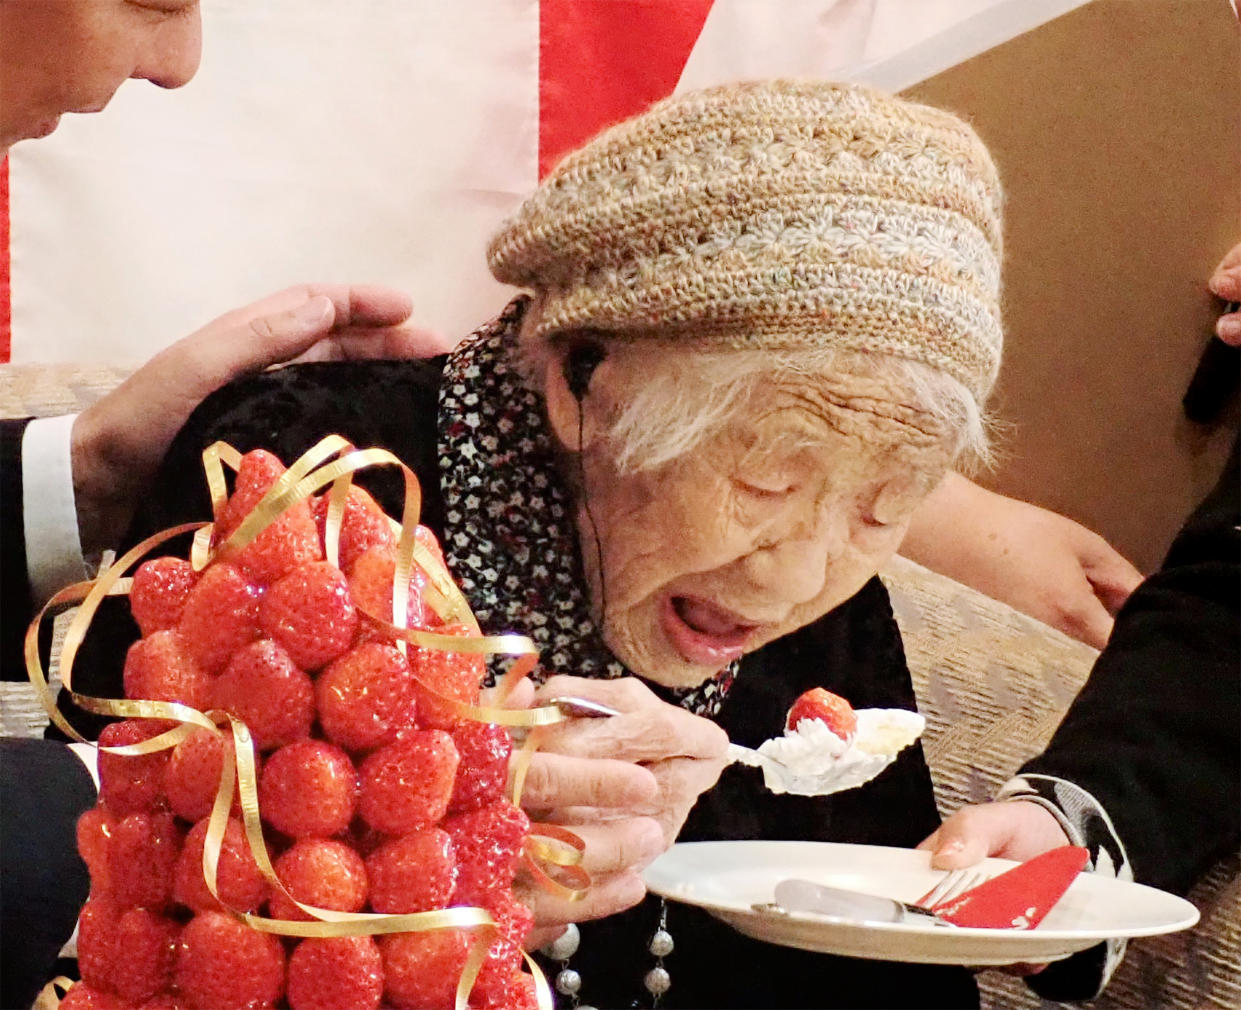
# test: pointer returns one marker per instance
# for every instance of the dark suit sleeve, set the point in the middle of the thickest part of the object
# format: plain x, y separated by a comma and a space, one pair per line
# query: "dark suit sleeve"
45, 789
1155, 734
14, 579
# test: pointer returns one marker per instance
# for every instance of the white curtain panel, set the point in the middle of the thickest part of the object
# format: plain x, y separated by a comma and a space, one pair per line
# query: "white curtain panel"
375, 140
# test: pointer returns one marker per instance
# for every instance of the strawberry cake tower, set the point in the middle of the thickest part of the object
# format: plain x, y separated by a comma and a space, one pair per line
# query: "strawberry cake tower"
368, 825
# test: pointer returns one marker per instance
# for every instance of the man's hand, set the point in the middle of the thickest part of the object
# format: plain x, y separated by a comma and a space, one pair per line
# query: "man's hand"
118, 442
623, 784
1225, 283
1042, 563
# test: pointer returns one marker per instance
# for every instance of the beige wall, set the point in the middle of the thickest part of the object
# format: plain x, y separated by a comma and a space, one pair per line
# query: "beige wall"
1117, 133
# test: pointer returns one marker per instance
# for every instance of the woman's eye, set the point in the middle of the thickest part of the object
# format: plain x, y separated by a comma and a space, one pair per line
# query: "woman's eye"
770, 491
871, 522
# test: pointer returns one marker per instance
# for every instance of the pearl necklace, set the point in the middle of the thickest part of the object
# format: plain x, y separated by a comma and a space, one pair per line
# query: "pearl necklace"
568, 981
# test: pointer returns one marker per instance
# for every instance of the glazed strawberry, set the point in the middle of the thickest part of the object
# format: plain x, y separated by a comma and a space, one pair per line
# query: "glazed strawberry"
162, 667
164, 1001
501, 968
363, 527
408, 783
159, 591
145, 948
321, 872
85, 997
413, 873
830, 709
522, 992
192, 774
97, 924
129, 783
290, 540
141, 857
258, 471
336, 973
309, 612
224, 963
422, 969
370, 586
94, 831
513, 917
365, 696
264, 688
455, 675
308, 788
220, 616
503, 961
238, 881
488, 843
484, 749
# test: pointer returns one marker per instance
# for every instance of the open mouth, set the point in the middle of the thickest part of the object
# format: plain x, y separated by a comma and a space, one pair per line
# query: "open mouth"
702, 633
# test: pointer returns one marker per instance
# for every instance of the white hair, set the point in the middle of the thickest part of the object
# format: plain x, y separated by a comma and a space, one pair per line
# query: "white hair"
665, 412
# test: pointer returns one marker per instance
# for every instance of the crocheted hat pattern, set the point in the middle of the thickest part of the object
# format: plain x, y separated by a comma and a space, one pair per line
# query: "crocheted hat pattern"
778, 214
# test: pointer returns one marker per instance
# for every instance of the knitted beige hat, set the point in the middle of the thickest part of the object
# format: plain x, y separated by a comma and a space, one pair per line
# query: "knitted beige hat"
779, 214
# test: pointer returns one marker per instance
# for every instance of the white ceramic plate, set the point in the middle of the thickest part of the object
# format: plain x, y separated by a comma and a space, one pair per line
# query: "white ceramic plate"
728, 878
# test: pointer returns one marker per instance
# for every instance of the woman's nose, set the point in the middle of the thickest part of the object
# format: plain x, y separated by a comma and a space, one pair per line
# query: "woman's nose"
793, 567
173, 56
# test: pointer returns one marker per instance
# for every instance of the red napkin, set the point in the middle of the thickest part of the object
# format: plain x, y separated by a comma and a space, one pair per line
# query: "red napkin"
1020, 897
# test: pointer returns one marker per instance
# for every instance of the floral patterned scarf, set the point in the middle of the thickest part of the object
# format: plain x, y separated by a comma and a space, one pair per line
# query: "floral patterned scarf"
510, 536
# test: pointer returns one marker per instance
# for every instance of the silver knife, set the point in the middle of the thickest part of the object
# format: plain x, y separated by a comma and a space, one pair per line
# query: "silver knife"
807, 896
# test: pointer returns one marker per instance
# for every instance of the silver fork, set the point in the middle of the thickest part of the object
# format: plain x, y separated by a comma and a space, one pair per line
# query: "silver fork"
953, 884
794, 895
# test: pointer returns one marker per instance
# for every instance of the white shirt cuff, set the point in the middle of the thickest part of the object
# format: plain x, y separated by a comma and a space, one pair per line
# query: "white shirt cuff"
49, 510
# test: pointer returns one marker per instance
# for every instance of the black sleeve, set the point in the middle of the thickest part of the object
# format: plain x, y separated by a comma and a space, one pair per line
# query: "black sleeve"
45, 789
1155, 734
15, 603
390, 404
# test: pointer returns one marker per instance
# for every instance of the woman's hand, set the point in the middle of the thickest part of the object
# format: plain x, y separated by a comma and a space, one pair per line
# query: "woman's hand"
118, 442
1225, 283
624, 784
1037, 561
1012, 829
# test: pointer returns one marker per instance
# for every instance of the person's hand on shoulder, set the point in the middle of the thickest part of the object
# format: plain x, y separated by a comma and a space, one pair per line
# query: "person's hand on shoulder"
1225, 283
1042, 563
118, 442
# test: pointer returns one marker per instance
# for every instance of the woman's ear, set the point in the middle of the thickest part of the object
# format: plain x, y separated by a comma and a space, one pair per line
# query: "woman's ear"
564, 408
572, 396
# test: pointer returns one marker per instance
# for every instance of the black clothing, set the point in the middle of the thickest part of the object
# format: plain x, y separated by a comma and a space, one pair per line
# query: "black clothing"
855, 651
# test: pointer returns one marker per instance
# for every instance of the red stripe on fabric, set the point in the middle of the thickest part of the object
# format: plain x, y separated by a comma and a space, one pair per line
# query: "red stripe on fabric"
601, 61
6, 305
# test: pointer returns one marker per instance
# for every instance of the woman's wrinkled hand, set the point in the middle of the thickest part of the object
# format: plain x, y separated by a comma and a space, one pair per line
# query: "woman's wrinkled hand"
1011, 829
118, 442
1042, 563
624, 784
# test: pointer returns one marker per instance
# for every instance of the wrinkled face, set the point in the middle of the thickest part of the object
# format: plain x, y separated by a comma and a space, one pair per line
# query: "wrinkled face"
71, 55
761, 530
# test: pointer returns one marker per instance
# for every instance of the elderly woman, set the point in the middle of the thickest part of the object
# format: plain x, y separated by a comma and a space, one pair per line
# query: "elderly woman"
763, 323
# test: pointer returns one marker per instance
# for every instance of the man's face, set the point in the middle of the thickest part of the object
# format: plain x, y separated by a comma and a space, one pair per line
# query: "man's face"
63, 56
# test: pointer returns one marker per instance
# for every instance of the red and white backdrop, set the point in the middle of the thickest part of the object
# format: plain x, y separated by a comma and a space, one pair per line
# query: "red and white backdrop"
383, 140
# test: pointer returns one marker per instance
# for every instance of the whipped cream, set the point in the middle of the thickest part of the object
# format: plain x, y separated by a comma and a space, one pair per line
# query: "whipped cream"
811, 760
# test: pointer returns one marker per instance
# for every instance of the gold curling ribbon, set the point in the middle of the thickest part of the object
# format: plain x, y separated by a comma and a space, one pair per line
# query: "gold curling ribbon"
48, 998
551, 844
